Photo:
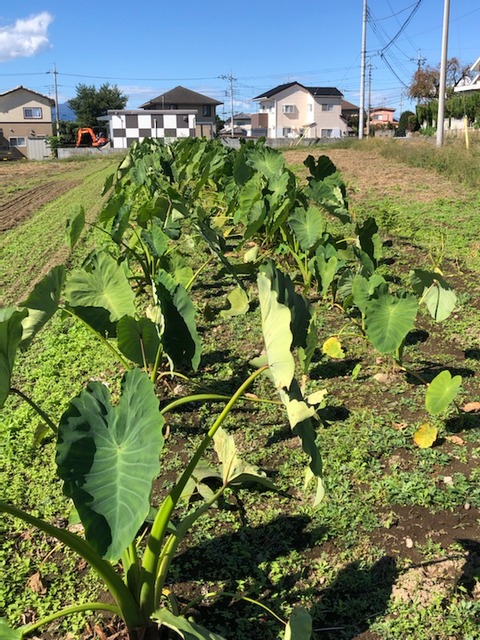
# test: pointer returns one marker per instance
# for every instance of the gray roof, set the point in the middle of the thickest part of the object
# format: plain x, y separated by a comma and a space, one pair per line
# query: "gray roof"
315, 91
180, 95
22, 88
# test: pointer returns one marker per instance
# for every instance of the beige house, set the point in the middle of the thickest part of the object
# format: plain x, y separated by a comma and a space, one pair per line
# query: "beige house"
294, 110
25, 119
182, 98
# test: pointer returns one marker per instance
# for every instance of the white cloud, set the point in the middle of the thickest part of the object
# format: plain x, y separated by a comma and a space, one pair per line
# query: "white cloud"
26, 37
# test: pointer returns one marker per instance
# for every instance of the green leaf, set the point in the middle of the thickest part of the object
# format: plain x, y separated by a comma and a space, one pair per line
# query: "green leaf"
108, 457
369, 240
277, 335
441, 392
326, 270
104, 285
307, 226
185, 629
239, 303
42, 303
7, 633
388, 320
435, 292
74, 227
11, 331
306, 353
156, 241
180, 338
363, 289
267, 161
299, 307
320, 169
300, 416
138, 340
299, 626
235, 471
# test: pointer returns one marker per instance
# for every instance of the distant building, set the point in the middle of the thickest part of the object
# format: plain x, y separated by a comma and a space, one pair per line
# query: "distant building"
293, 110
25, 122
127, 126
242, 123
182, 98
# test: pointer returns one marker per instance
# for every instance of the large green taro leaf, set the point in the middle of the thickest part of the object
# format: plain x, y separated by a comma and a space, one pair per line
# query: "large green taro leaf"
277, 334
308, 226
42, 303
441, 391
388, 320
10, 336
299, 625
138, 339
180, 338
269, 162
7, 633
286, 295
103, 286
435, 292
108, 457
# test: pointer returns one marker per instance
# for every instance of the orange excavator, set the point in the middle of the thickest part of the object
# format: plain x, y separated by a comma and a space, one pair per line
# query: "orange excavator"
86, 137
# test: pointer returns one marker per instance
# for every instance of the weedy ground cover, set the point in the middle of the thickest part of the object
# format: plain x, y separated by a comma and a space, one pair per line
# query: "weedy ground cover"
392, 551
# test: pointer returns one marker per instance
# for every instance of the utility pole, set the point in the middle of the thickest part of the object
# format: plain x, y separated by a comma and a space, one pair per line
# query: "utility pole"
231, 79
55, 83
369, 97
443, 75
361, 115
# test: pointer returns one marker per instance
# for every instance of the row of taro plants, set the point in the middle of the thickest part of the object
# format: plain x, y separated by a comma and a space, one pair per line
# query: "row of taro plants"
133, 295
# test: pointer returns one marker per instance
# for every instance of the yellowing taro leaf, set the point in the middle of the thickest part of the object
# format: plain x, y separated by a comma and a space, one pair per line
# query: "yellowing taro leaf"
425, 436
332, 347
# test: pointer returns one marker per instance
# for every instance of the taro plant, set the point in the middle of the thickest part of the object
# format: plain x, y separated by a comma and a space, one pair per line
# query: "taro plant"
108, 454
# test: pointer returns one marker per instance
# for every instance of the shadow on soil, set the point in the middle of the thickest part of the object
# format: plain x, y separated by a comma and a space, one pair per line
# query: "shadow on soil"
255, 560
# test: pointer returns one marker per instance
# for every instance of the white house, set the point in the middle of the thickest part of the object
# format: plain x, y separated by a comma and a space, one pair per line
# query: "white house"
292, 110
468, 83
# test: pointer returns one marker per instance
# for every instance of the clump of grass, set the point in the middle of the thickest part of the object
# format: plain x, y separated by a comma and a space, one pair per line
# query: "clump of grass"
452, 160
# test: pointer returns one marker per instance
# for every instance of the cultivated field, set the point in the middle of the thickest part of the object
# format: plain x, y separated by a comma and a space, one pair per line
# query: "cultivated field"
393, 549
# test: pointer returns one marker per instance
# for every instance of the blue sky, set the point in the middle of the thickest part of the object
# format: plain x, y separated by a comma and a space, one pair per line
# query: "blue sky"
147, 48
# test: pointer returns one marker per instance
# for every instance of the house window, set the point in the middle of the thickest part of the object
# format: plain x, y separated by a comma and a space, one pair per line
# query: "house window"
32, 112
327, 107
288, 108
327, 133
17, 142
377, 116
207, 110
286, 131
310, 107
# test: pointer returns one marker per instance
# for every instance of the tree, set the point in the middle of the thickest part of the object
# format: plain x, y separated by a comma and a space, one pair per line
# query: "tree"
426, 82
407, 122
91, 103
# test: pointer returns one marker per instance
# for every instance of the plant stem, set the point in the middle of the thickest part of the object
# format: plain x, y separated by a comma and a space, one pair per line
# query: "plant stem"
212, 397
102, 339
78, 608
127, 605
36, 408
154, 543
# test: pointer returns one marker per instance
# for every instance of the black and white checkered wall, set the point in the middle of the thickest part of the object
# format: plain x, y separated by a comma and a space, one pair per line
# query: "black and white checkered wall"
127, 127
